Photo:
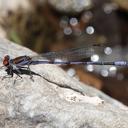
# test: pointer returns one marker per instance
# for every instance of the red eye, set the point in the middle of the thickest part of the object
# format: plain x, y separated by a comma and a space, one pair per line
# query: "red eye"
6, 60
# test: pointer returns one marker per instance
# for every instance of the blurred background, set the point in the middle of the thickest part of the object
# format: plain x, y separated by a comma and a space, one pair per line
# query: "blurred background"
53, 25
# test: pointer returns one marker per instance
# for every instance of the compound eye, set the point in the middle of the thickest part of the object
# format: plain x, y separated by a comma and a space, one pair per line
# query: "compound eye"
6, 60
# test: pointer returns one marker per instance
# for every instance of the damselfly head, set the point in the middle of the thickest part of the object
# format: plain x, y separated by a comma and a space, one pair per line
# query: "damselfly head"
6, 60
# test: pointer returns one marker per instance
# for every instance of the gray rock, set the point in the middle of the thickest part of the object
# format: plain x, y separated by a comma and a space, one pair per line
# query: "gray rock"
54, 100
6, 5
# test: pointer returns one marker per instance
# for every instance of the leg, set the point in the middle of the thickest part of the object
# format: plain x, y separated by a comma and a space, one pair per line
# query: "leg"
6, 76
9, 73
30, 73
29, 70
18, 74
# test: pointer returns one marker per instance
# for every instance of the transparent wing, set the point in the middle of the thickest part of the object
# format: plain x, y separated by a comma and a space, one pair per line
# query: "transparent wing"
69, 54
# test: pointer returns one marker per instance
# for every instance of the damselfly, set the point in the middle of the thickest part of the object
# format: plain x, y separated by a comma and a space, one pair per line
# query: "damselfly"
65, 57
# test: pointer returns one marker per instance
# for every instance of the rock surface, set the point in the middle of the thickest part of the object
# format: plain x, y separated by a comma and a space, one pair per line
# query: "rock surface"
54, 100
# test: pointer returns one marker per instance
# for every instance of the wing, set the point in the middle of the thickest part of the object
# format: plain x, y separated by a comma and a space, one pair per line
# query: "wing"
69, 54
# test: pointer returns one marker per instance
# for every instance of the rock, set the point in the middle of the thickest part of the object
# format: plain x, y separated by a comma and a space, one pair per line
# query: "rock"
72, 6
6, 6
54, 100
